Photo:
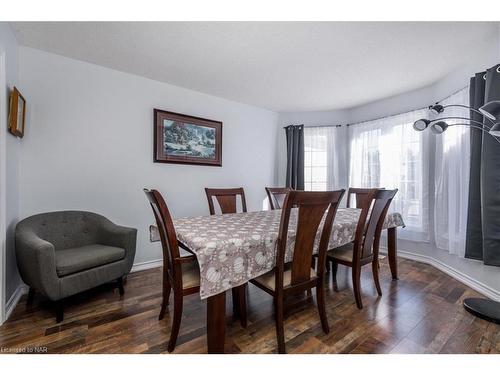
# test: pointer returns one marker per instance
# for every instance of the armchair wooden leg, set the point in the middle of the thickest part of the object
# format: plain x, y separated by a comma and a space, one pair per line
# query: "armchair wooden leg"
31, 297
119, 281
59, 311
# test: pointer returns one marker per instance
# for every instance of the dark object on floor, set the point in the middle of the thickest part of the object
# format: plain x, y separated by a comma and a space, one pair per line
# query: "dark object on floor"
63, 253
483, 308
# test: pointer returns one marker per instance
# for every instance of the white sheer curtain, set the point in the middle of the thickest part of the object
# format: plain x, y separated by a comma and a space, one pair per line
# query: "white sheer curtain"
452, 178
325, 157
388, 153
431, 172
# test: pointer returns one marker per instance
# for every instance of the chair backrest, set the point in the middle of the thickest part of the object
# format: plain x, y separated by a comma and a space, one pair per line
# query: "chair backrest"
277, 196
371, 221
312, 208
361, 196
65, 229
226, 199
168, 236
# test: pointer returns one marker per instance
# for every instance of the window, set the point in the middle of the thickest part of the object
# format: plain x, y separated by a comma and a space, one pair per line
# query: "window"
325, 154
389, 153
315, 160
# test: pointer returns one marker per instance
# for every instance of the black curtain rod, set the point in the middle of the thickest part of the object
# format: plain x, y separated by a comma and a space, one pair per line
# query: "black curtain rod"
402, 113
325, 126
387, 116
378, 118
315, 126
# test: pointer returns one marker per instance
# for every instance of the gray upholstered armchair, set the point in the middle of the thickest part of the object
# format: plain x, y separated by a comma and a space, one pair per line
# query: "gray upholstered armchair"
63, 253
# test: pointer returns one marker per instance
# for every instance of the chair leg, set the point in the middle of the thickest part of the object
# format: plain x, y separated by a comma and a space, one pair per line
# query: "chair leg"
240, 303
59, 311
327, 266
119, 282
313, 265
31, 296
356, 280
320, 296
335, 267
166, 295
375, 271
176, 323
280, 331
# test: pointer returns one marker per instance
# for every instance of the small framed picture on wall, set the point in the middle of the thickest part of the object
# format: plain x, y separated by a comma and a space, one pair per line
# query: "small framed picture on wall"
17, 113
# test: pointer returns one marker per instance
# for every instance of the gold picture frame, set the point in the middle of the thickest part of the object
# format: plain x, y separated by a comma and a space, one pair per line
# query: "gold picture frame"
17, 113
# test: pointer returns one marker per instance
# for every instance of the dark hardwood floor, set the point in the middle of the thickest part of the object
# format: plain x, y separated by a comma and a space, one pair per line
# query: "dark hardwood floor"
420, 313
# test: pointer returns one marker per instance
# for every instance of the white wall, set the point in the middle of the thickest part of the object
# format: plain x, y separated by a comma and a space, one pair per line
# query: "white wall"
89, 145
10, 160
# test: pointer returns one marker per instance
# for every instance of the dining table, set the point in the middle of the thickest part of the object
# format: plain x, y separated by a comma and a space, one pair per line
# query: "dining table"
232, 249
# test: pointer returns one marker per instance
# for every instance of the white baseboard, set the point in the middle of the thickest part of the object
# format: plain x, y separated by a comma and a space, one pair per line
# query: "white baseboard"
146, 265
14, 299
456, 274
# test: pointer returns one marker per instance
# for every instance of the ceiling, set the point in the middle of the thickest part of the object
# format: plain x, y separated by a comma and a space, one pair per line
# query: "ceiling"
282, 66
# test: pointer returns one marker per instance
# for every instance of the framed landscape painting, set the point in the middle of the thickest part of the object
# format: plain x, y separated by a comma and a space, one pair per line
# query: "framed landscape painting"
186, 139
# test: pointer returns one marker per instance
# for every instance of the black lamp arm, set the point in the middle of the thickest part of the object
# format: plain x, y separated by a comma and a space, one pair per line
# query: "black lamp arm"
460, 118
470, 108
477, 127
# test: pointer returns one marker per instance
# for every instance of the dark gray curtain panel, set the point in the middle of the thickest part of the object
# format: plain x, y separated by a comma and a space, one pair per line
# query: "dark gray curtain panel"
483, 223
474, 239
295, 156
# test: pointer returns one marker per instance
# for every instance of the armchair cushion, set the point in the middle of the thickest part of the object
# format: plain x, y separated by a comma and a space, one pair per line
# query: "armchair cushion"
82, 258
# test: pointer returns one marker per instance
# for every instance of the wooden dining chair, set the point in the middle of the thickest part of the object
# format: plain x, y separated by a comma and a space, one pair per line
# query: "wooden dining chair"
364, 249
226, 199
298, 275
360, 195
277, 196
227, 203
180, 273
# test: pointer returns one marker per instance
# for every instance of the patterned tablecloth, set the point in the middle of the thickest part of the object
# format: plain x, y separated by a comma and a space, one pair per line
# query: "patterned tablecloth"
234, 248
